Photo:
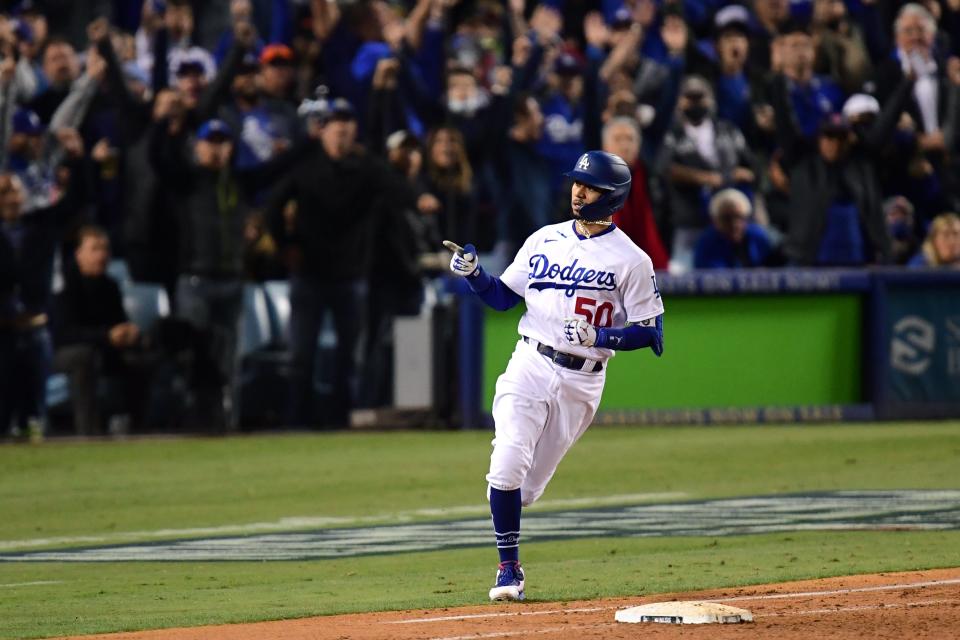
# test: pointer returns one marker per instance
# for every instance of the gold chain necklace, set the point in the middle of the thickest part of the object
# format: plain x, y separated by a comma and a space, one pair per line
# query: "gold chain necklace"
582, 228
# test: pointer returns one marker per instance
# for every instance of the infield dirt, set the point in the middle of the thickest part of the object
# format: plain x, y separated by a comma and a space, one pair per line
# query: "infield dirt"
916, 604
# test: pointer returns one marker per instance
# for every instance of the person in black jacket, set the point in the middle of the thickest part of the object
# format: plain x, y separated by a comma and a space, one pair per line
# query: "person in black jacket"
91, 328
337, 188
835, 198
211, 200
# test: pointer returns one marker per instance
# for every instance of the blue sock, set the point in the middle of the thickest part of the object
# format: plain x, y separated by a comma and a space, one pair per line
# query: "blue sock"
505, 508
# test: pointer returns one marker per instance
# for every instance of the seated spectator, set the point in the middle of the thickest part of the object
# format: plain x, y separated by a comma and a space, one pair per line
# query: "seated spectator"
898, 212
942, 246
700, 155
732, 241
91, 330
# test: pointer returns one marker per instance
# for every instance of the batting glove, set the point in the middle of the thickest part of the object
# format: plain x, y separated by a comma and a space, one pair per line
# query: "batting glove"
464, 261
579, 332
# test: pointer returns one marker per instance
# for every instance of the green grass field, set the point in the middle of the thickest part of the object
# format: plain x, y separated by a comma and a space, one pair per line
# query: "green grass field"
62, 495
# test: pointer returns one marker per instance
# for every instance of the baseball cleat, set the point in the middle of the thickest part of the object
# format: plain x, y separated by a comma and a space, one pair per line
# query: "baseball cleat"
509, 584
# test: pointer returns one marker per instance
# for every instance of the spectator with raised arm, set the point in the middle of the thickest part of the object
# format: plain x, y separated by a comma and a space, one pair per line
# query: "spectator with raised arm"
810, 97
212, 201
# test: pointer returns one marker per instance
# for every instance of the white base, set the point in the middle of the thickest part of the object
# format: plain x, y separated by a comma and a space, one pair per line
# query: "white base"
684, 613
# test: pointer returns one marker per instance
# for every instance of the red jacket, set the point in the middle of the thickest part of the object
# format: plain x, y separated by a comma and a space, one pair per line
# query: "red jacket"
636, 218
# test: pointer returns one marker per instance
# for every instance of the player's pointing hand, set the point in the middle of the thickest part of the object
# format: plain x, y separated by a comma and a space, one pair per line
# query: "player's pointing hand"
464, 261
579, 332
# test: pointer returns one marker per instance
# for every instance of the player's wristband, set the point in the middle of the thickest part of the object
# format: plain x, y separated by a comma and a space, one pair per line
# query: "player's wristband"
492, 290
627, 339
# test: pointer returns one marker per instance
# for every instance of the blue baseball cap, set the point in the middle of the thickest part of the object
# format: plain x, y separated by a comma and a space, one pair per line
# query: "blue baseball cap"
22, 30
622, 19
214, 129
25, 6
567, 64
249, 63
28, 122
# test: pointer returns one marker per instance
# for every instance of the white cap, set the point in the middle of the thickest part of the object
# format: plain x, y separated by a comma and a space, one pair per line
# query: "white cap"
731, 14
859, 104
398, 138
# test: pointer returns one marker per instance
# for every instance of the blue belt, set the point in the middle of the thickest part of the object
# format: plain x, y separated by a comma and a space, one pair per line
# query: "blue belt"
565, 360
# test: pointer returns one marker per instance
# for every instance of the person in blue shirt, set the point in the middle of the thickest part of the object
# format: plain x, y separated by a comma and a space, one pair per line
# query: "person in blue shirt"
563, 113
732, 83
812, 97
732, 241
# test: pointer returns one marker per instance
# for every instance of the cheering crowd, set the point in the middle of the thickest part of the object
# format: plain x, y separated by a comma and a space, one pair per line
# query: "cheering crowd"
206, 145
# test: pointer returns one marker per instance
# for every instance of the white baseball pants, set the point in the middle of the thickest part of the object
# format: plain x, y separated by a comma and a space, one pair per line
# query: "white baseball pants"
540, 409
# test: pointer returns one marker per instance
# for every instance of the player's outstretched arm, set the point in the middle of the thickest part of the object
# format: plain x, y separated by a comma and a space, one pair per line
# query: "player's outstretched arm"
492, 291
579, 332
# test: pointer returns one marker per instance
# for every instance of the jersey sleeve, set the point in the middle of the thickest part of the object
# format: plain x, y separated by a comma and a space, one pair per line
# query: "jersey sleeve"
517, 273
641, 295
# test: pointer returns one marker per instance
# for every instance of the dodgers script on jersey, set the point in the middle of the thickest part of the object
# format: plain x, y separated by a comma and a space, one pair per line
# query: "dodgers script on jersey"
606, 279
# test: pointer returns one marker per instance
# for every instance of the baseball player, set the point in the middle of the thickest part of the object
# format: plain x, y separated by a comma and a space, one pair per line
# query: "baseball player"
589, 292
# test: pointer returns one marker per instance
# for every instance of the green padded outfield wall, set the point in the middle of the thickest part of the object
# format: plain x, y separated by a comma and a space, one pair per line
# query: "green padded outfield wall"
741, 351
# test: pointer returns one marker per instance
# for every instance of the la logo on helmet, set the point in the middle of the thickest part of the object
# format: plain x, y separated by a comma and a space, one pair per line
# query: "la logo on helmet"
584, 163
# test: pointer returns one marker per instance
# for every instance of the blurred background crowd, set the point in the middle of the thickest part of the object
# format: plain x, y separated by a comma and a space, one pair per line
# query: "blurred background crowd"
188, 149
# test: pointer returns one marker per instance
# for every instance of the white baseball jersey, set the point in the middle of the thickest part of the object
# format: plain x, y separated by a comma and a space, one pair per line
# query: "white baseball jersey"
605, 279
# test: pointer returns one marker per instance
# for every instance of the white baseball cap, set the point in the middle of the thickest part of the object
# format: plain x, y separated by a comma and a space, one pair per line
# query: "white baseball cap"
732, 16
859, 104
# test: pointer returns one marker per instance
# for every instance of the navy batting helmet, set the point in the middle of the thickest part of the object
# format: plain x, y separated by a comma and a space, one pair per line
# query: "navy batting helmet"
607, 172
